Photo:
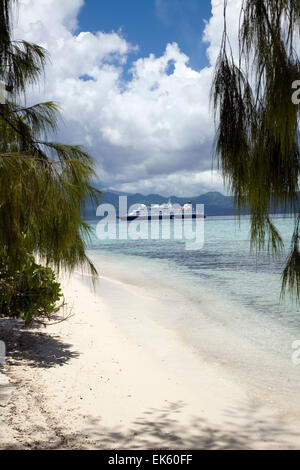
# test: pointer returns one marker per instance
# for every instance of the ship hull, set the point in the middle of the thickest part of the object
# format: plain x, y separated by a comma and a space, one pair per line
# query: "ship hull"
162, 217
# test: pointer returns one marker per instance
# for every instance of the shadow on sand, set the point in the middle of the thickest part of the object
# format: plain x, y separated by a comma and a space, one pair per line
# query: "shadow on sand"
35, 346
161, 429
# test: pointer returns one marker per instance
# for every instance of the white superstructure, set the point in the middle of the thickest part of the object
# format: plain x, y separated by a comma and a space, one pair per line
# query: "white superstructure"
163, 211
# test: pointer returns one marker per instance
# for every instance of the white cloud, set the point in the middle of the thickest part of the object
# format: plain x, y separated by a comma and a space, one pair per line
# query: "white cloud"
50, 15
176, 184
152, 133
214, 28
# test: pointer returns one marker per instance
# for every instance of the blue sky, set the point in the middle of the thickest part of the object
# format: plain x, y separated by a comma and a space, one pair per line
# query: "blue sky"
133, 80
152, 24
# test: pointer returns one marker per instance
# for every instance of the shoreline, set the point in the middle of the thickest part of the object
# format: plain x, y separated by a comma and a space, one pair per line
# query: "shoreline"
111, 377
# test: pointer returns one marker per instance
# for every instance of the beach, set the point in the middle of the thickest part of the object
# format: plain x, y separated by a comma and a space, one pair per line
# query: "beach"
111, 377
149, 227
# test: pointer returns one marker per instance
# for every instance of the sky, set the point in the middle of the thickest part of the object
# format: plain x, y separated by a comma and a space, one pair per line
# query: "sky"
152, 24
133, 78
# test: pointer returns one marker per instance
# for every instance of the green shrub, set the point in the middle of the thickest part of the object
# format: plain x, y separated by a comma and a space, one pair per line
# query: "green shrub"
29, 293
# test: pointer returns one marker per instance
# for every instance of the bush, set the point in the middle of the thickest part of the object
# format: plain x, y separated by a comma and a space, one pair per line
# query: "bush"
29, 293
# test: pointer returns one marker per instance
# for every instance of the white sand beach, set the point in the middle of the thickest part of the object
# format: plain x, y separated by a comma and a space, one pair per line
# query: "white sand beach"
112, 378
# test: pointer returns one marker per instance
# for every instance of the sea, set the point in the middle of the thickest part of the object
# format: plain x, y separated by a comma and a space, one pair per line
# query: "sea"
226, 298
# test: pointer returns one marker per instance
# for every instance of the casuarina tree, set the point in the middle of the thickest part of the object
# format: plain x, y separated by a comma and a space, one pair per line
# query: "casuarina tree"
257, 142
44, 186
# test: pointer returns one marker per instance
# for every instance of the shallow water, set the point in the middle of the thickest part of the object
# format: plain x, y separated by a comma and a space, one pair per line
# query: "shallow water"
225, 302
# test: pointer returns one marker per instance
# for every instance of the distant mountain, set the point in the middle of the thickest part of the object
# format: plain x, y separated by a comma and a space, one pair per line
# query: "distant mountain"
215, 203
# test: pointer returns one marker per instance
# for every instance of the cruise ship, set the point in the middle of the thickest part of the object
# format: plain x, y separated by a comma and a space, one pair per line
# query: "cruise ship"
163, 211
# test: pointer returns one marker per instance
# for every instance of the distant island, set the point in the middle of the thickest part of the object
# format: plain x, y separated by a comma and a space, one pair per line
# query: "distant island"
216, 204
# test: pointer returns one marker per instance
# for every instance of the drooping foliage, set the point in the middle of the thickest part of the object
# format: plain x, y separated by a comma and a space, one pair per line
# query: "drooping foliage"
21, 62
257, 141
44, 185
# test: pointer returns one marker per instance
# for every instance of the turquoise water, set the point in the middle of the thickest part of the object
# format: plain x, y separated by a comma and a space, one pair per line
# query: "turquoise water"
226, 301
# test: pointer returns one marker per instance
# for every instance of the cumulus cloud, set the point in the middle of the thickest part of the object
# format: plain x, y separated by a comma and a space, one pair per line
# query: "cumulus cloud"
214, 28
152, 132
